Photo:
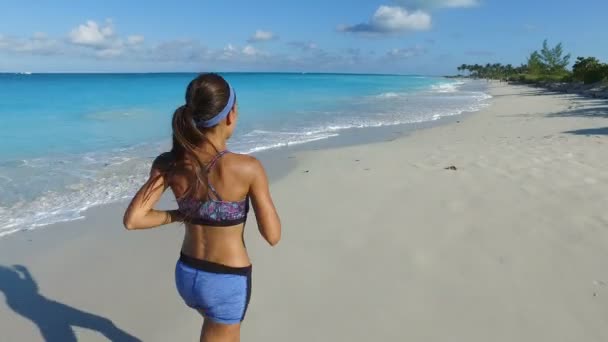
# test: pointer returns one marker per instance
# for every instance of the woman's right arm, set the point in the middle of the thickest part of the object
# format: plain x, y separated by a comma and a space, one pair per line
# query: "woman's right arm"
266, 214
140, 213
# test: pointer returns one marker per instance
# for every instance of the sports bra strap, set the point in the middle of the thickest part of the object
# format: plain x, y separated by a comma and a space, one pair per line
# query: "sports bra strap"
209, 167
215, 194
215, 159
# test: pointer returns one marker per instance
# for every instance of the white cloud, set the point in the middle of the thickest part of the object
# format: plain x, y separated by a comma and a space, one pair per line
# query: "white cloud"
87, 40
261, 36
109, 53
135, 39
40, 35
180, 51
407, 52
234, 53
304, 46
406, 15
103, 42
430, 4
228, 52
38, 44
392, 19
92, 34
397, 19
250, 51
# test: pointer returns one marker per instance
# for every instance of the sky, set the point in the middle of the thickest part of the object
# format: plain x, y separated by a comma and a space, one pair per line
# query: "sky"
430, 37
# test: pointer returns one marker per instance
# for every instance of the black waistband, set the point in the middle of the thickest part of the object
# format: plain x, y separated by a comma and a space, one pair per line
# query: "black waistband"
213, 267
211, 223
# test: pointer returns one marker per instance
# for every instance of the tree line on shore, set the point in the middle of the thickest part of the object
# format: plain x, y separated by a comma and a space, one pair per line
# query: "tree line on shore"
549, 64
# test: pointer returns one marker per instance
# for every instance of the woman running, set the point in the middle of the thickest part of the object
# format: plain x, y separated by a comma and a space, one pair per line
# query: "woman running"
212, 187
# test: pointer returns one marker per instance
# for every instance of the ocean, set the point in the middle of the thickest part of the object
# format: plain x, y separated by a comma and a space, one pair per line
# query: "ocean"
73, 141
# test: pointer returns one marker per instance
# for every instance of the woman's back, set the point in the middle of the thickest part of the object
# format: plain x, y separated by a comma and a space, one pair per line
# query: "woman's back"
223, 197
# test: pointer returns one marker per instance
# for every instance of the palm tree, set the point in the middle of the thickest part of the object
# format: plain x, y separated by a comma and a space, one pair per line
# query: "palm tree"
463, 67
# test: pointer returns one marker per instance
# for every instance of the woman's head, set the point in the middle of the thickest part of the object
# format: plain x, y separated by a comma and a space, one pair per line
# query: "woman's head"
208, 117
211, 102
210, 109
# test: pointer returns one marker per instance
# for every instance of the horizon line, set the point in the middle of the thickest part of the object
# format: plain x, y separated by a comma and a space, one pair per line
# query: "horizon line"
199, 72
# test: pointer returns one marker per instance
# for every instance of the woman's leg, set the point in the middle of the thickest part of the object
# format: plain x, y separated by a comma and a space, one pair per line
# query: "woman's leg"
216, 332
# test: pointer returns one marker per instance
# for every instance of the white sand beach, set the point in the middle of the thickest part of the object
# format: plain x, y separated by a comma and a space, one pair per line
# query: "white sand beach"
380, 243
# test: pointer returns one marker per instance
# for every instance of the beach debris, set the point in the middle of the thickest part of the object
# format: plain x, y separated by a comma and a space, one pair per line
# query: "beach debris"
306, 171
457, 121
367, 169
357, 160
453, 168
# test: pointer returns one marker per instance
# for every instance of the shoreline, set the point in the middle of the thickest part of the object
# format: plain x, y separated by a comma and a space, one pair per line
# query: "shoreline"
277, 167
509, 246
598, 90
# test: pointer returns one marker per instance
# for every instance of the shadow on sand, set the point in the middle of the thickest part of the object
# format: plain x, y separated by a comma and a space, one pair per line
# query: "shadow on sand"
590, 131
595, 109
55, 320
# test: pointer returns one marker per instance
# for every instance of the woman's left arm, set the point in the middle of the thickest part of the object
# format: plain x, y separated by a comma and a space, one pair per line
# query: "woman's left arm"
140, 213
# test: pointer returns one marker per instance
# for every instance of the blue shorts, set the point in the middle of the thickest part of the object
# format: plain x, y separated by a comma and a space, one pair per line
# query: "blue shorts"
221, 293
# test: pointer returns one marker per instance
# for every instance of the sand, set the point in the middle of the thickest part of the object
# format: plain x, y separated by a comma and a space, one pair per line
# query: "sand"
380, 243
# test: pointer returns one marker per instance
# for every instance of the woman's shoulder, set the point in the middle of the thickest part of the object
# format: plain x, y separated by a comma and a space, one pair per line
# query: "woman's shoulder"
245, 163
241, 157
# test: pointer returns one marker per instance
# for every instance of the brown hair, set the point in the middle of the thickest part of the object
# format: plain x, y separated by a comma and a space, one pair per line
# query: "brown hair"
206, 96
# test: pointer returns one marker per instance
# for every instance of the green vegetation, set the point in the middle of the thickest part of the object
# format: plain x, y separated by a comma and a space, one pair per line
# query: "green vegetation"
549, 65
589, 70
492, 71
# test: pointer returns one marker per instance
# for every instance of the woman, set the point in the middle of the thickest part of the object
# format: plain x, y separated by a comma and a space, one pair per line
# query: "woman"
212, 187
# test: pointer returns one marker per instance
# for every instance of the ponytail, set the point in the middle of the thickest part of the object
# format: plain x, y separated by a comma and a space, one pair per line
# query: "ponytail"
186, 138
185, 135
206, 96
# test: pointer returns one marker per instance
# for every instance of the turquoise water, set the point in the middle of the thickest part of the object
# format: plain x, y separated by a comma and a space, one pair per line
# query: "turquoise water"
71, 141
